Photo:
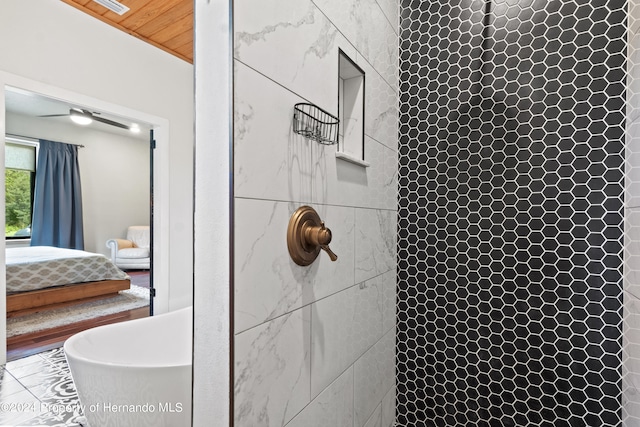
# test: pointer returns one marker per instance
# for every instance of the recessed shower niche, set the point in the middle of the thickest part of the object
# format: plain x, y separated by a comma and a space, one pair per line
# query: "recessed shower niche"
351, 85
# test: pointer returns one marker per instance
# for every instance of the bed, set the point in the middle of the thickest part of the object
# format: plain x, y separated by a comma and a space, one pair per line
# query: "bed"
44, 276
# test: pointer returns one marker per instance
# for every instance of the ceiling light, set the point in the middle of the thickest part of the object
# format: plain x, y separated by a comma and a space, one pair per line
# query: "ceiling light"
81, 119
134, 128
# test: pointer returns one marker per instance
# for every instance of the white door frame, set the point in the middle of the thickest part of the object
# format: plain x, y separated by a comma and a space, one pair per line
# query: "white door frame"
213, 201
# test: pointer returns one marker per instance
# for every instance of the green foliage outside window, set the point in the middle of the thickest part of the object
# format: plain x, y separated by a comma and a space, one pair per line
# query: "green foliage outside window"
18, 200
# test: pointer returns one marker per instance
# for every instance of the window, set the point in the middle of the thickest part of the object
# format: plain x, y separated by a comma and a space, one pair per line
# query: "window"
350, 111
20, 174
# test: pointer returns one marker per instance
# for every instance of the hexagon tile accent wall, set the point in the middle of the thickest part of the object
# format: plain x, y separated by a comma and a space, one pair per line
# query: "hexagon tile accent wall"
511, 181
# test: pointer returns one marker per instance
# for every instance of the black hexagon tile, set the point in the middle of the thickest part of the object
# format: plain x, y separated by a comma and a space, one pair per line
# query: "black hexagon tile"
511, 192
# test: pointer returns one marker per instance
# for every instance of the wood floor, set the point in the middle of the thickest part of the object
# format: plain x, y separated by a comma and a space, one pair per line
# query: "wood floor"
28, 344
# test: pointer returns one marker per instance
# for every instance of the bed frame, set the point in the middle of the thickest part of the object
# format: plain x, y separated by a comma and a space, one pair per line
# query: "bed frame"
25, 302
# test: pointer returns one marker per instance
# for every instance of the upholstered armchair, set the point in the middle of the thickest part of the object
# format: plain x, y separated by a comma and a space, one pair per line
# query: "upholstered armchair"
132, 253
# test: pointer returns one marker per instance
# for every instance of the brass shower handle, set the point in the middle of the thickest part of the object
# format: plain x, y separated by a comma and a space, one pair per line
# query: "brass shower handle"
332, 256
307, 235
319, 236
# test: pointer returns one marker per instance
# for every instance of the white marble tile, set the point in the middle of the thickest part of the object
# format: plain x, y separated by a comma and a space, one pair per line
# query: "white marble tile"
632, 336
272, 371
389, 408
632, 286
631, 315
631, 309
375, 243
366, 26
374, 376
631, 320
634, 15
268, 282
376, 418
382, 176
631, 349
344, 326
343, 183
631, 386
333, 407
632, 158
381, 106
630, 354
629, 421
388, 284
631, 342
390, 8
271, 161
631, 371
630, 358
631, 265
630, 414
631, 303
630, 407
293, 43
632, 152
633, 36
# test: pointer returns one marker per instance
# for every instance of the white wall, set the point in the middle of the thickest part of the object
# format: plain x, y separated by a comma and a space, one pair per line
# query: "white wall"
314, 346
114, 174
53, 43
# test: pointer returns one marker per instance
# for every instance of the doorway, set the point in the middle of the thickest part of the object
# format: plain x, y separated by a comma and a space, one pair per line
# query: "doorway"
25, 92
115, 173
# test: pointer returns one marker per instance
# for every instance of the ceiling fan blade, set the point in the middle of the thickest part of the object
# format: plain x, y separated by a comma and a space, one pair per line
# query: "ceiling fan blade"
110, 122
72, 112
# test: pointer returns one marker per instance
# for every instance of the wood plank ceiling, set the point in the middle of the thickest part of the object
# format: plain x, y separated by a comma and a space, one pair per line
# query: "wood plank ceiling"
166, 24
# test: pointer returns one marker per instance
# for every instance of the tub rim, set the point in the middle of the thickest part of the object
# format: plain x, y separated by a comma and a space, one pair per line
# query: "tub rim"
75, 354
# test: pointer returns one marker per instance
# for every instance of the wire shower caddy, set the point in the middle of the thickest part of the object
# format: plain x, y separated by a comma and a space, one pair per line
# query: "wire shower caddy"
314, 123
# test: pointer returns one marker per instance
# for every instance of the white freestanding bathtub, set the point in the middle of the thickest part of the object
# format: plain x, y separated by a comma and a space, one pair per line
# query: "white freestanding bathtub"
135, 373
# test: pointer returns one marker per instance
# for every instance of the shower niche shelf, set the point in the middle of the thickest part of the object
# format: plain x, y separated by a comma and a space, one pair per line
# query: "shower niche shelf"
314, 123
352, 159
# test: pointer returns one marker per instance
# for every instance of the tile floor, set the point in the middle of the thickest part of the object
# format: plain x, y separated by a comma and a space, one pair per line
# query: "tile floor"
38, 391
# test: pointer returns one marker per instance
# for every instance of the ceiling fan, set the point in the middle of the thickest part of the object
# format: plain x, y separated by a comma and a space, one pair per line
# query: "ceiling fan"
84, 117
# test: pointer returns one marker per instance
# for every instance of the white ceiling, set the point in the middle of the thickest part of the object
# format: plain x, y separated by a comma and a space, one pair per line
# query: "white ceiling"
19, 101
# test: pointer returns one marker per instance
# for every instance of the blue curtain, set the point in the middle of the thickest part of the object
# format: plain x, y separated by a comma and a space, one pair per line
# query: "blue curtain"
57, 205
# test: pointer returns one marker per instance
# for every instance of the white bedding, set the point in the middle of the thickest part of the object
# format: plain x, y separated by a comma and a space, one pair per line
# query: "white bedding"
39, 267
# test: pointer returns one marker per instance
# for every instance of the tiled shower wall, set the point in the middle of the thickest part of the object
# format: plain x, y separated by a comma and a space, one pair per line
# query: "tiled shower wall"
631, 331
511, 176
314, 346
